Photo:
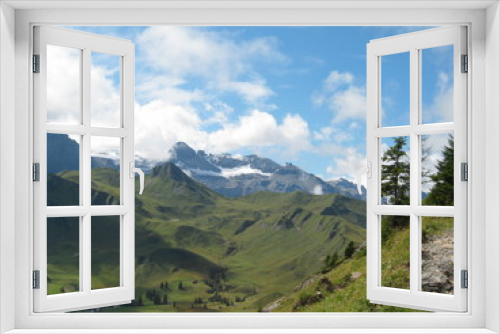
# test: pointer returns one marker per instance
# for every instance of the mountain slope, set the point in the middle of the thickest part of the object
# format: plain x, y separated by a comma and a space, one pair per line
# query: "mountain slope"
343, 288
236, 254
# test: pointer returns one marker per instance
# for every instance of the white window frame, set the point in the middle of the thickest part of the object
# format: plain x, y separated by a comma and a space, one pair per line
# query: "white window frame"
85, 298
413, 44
484, 211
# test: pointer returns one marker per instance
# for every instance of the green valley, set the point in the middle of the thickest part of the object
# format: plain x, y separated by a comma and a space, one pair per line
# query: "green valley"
197, 250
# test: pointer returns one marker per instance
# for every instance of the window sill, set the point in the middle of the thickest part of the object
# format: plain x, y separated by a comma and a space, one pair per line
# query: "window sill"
251, 331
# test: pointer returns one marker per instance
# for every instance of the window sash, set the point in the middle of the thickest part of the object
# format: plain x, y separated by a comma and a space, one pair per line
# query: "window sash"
86, 298
413, 43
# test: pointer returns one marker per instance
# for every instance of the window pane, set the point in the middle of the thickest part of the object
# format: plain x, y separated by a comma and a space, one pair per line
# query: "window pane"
105, 90
437, 254
395, 89
105, 237
395, 171
437, 84
63, 170
63, 255
63, 85
437, 169
105, 152
395, 238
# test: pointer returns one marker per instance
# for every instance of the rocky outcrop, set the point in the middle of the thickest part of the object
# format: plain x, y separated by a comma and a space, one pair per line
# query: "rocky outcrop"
437, 263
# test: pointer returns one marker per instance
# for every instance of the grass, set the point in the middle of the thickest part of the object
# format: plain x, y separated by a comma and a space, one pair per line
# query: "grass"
186, 233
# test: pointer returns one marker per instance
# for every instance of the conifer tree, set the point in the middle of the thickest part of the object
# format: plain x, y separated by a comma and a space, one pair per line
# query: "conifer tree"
443, 191
396, 179
349, 250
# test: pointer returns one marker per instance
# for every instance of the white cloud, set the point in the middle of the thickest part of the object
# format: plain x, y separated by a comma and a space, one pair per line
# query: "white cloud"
335, 134
63, 89
104, 96
159, 125
261, 129
171, 113
441, 108
347, 165
223, 61
318, 190
342, 96
251, 92
63, 85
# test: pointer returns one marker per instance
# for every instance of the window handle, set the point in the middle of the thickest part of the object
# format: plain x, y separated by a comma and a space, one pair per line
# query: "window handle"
139, 171
368, 171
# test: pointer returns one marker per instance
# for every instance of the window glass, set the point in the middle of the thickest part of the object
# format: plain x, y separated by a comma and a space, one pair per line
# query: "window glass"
437, 84
395, 89
105, 162
63, 170
63, 85
105, 256
395, 170
437, 255
63, 255
395, 238
105, 103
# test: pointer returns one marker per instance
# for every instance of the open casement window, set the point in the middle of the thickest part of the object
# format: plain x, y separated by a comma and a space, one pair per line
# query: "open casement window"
397, 153
80, 124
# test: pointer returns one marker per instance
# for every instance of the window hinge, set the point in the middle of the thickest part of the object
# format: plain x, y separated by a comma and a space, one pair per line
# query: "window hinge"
465, 279
465, 64
36, 279
36, 63
36, 172
464, 168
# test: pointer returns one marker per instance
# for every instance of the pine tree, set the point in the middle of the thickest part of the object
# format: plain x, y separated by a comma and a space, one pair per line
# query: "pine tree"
442, 192
396, 179
349, 250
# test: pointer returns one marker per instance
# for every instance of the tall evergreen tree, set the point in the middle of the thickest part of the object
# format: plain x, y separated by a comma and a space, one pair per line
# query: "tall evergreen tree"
396, 180
442, 192
396, 173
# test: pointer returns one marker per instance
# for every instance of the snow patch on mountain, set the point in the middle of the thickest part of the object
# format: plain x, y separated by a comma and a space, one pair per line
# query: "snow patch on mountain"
226, 172
230, 172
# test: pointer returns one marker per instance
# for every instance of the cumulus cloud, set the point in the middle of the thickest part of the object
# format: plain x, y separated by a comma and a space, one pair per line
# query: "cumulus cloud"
63, 89
318, 190
159, 125
441, 108
261, 129
166, 113
63, 85
342, 96
251, 92
347, 165
225, 62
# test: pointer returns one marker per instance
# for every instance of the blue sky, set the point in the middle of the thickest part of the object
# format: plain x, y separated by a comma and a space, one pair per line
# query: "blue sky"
293, 94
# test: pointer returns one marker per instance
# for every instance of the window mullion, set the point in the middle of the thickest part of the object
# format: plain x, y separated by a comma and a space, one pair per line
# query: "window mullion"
415, 168
85, 175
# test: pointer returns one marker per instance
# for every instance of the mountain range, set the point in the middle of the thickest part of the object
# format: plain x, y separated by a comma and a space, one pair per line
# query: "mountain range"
235, 176
227, 174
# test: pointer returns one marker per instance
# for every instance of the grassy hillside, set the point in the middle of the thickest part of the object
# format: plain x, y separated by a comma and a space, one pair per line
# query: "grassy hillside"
343, 288
199, 251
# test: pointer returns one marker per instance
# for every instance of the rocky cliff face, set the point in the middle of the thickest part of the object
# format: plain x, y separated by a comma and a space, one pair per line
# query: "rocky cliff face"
437, 263
236, 175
